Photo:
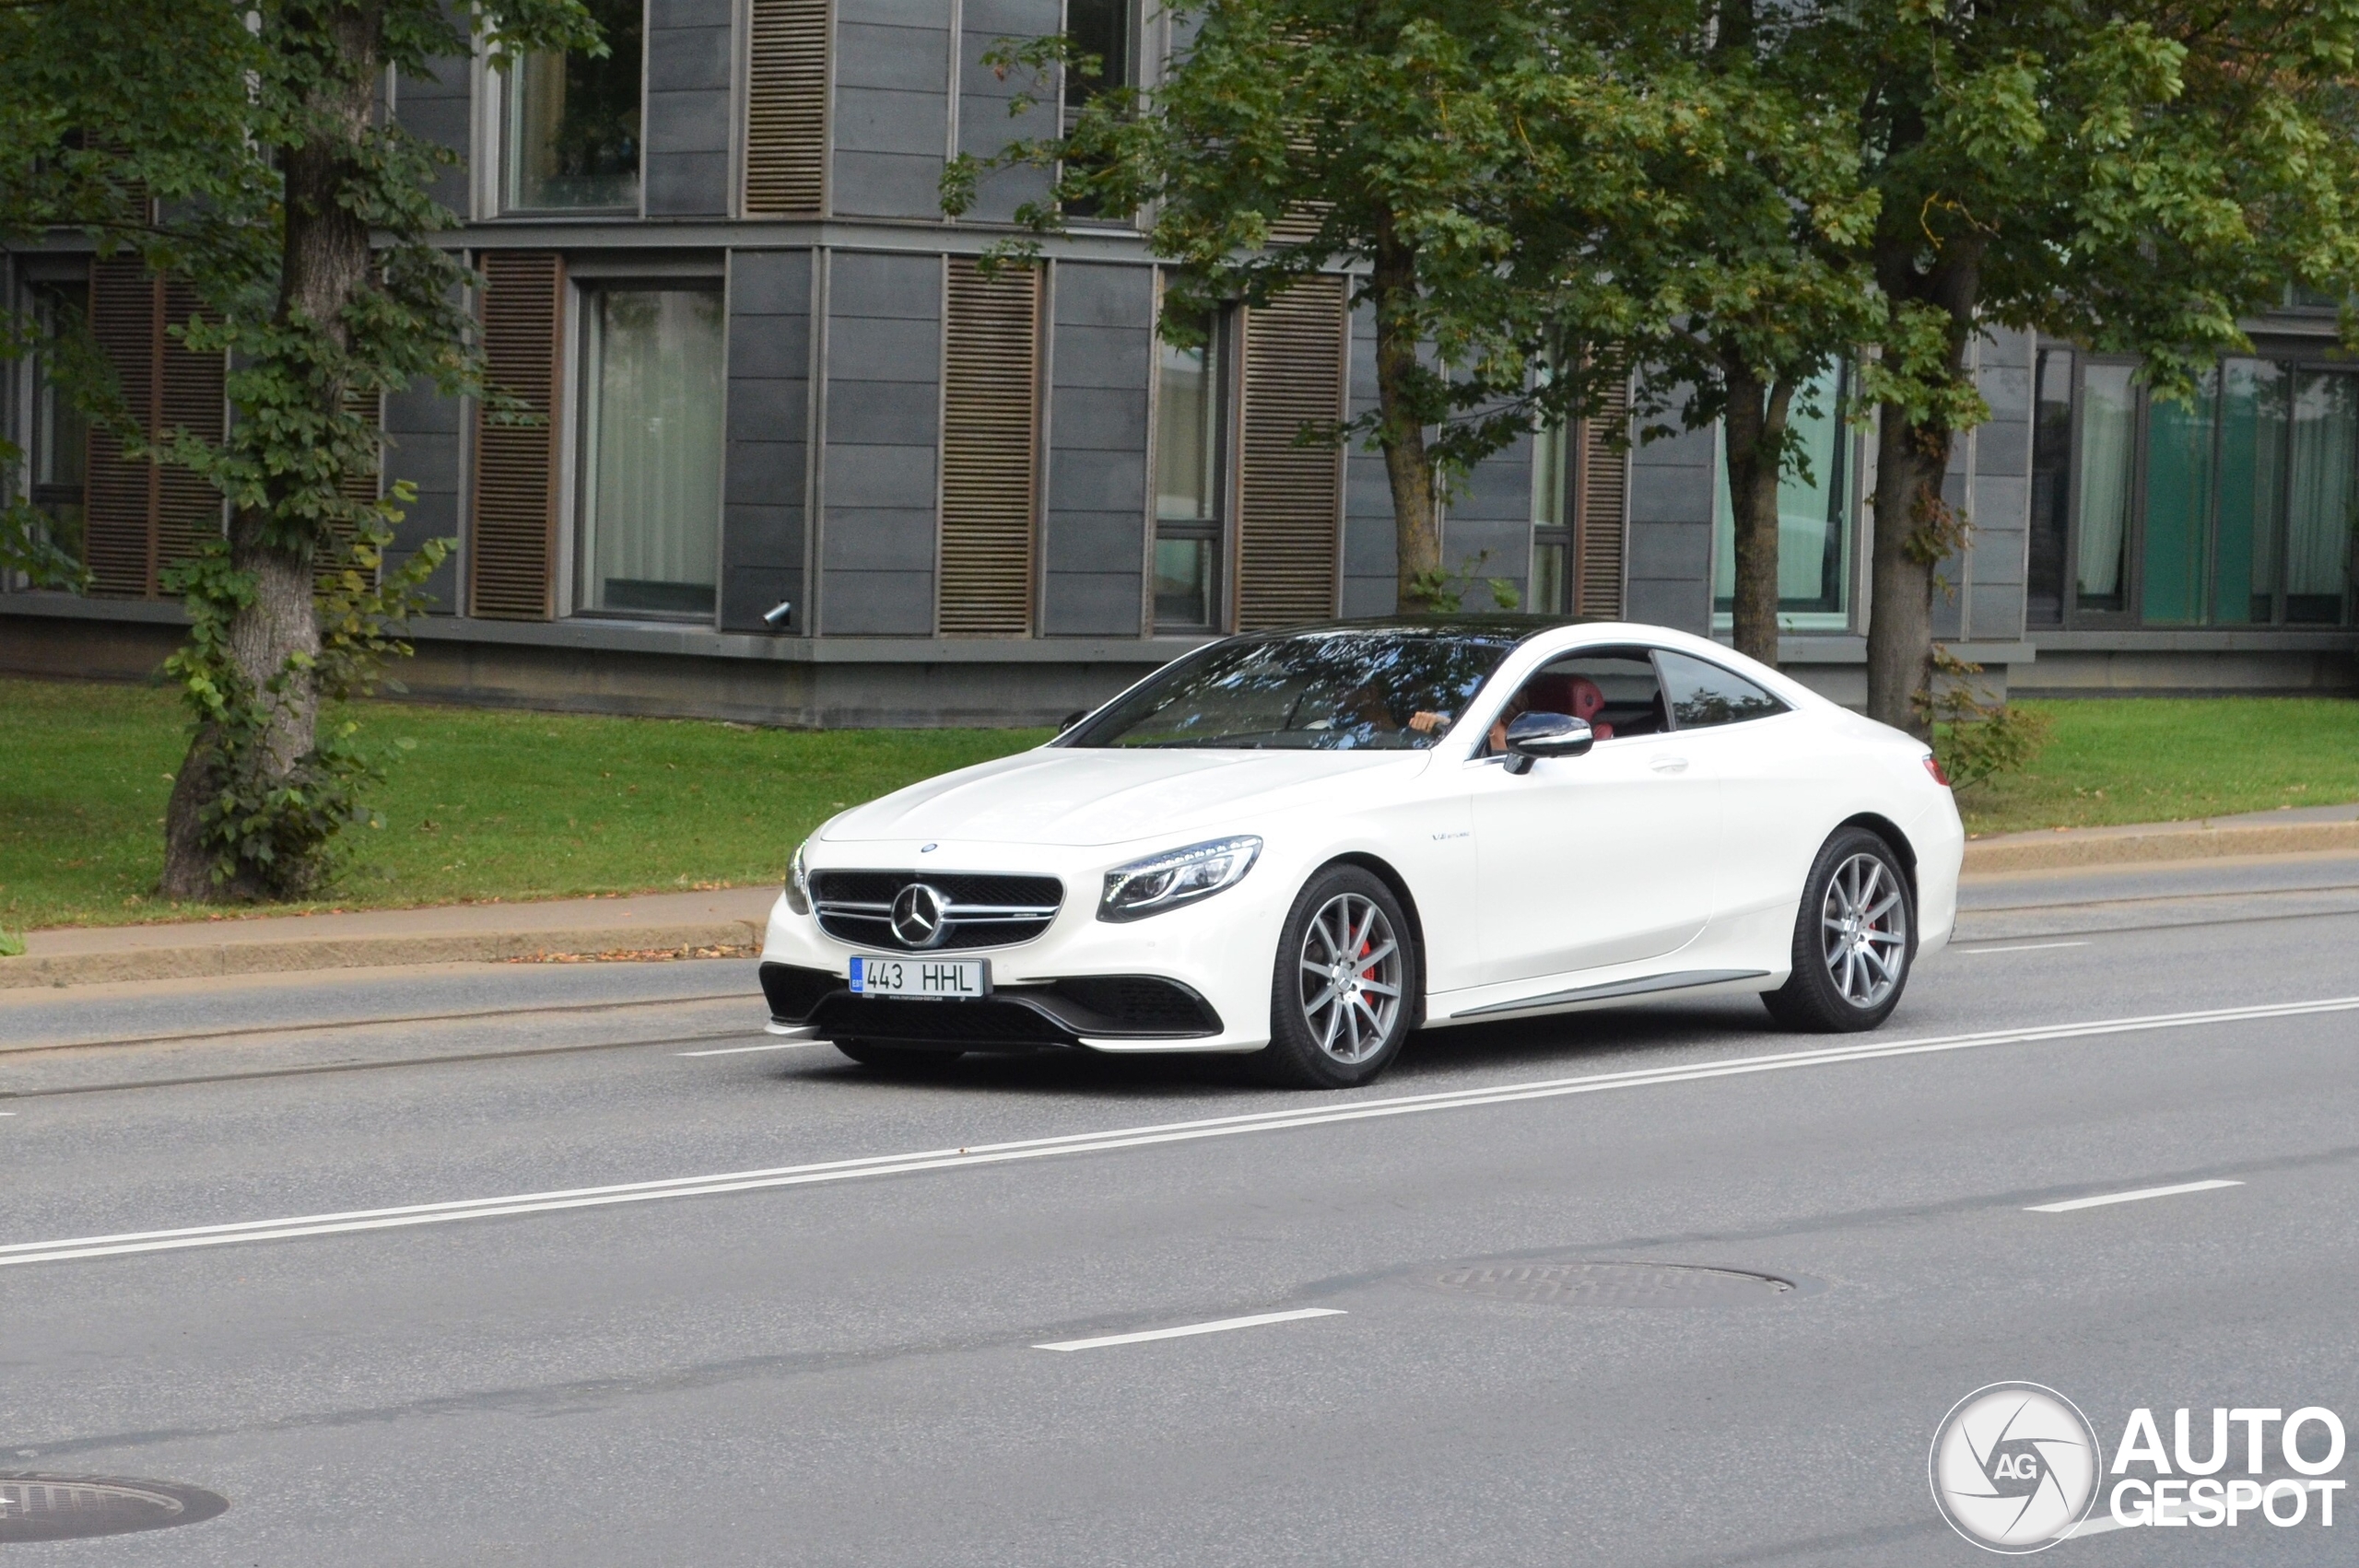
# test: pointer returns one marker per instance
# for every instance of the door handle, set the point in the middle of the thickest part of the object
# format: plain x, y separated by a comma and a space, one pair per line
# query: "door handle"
1669, 765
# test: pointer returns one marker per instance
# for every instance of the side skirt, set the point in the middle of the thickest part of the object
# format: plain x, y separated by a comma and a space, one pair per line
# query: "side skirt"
1645, 985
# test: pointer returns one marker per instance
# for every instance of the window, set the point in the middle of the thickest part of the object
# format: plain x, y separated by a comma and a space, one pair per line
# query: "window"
1625, 678
1103, 31
2233, 509
573, 122
61, 432
1816, 520
1703, 694
1191, 414
650, 451
2052, 486
1552, 534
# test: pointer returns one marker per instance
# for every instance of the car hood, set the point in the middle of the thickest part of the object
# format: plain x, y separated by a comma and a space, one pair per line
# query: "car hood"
1075, 796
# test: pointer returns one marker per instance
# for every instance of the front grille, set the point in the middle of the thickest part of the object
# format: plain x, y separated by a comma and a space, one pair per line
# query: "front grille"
985, 909
987, 1023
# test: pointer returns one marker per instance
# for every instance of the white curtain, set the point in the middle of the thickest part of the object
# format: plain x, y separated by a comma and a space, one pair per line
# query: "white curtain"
2325, 489
654, 504
2109, 410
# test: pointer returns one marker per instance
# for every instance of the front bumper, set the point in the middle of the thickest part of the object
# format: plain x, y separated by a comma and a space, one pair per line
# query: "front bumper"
1194, 978
1141, 1008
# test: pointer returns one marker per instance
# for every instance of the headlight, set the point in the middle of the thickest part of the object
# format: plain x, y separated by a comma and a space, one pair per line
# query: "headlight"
798, 884
1182, 876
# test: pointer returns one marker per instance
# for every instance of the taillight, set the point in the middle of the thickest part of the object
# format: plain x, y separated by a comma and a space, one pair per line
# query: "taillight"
1933, 767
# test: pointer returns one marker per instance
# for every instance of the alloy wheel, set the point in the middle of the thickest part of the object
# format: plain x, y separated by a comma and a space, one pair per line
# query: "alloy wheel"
1864, 930
1351, 974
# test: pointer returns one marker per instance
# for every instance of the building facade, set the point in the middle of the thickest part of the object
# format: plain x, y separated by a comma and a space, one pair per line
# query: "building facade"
804, 458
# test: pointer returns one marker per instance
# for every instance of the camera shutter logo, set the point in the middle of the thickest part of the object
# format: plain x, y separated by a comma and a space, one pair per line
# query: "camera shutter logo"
2016, 1467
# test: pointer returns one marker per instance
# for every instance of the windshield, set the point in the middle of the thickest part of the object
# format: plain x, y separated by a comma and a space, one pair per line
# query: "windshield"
1314, 691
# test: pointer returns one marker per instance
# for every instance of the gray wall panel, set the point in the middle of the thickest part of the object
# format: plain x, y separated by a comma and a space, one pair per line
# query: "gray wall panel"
688, 110
1101, 355
883, 372
893, 59
870, 119
985, 126
879, 184
1670, 531
892, 109
1371, 573
767, 463
436, 105
423, 446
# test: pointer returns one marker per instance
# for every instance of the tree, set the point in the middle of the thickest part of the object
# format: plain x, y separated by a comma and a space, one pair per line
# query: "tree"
2135, 177
1462, 161
242, 146
1764, 281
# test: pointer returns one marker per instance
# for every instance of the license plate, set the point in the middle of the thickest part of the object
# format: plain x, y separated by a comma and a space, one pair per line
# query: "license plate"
942, 979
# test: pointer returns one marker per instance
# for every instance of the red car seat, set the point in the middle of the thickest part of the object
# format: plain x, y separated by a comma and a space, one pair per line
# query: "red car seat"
1576, 694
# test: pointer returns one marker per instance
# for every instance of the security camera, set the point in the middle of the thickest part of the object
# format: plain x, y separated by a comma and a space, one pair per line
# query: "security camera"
776, 615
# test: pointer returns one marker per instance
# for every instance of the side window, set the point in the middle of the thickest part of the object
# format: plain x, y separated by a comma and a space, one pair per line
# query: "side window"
1703, 694
1615, 690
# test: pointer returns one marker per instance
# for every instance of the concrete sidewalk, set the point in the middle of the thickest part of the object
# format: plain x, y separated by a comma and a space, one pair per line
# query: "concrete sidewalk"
2302, 830
734, 917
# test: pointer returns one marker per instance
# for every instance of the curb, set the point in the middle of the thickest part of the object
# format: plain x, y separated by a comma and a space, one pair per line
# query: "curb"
211, 959
2176, 841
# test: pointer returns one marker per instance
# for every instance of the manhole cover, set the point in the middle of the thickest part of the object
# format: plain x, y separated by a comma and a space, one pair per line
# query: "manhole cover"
1610, 1284
40, 1507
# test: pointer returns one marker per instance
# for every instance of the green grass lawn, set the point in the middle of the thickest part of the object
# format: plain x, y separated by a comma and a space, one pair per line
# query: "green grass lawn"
486, 805
530, 805
2167, 759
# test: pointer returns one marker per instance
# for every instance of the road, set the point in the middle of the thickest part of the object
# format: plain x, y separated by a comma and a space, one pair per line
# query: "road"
833, 1360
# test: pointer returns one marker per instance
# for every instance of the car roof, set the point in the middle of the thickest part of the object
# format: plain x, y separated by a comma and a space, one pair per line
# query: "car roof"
1498, 627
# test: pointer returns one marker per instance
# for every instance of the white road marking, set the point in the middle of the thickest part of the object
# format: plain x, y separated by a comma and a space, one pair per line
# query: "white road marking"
2142, 1192
1117, 1138
740, 1050
1220, 1326
2027, 947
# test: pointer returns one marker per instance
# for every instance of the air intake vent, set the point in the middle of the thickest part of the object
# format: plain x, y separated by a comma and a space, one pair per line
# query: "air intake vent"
143, 517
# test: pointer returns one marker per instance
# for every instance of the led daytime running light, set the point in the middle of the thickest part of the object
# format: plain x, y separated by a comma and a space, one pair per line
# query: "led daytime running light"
1179, 876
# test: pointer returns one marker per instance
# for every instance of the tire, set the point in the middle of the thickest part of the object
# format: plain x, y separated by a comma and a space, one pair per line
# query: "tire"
902, 1061
1334, 1024
1855, 938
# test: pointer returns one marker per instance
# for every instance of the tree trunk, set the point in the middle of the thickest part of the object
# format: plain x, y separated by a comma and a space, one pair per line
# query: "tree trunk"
1754, 432
275, 638
1400, 430
1913, 527
1900, 630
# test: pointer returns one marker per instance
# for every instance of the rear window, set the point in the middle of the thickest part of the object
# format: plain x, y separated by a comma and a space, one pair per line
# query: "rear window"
1312, 690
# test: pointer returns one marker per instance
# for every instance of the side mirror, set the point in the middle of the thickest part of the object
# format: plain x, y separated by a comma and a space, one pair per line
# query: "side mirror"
1535, 735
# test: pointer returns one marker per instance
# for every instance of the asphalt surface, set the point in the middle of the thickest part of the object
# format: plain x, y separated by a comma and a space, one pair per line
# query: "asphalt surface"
832, 1361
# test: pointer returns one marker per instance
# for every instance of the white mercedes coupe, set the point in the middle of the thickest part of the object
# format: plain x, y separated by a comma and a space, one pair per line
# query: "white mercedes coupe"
1306, 844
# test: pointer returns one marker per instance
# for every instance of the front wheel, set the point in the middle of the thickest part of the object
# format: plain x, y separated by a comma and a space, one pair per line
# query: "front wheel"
1854, 939
1343, 995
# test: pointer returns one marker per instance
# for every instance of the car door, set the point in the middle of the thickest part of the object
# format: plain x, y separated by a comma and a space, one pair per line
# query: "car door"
1597, 860
1779, 781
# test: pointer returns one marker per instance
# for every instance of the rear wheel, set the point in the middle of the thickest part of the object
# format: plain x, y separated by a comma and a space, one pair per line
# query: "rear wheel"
1855, 938
907, 1060
1343, 996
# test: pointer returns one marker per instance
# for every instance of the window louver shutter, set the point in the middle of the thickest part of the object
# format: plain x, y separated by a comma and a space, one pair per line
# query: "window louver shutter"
786, 110
191, 392
1289, 511
1602, 515
512, 546
143, 517
991, 398
121, 497
362, 486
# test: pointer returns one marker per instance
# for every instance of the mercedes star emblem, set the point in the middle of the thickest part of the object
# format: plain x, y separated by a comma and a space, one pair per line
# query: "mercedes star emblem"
916, 915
